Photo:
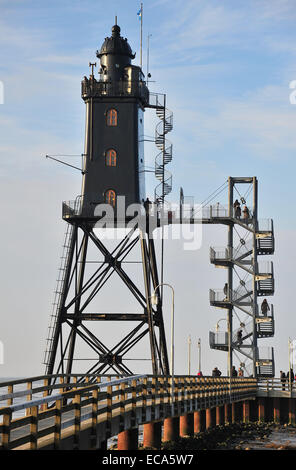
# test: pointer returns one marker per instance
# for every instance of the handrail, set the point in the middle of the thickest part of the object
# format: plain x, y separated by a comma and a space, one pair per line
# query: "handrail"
30, 391
85, 387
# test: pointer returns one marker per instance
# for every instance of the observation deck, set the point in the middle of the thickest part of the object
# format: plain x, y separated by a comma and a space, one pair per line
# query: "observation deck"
136, 88
83, 209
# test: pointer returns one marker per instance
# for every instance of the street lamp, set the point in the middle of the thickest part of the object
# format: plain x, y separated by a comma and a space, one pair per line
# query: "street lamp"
154, 300
199, 355
290, 347
189, 355
217, 324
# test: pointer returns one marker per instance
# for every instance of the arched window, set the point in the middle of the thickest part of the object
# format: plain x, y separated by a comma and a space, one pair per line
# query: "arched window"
110, 197
111, 157
111, 117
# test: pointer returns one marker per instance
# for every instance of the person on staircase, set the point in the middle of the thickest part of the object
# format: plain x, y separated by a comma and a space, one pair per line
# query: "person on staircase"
246, 215
239, 337
264, 308
225, 290
237, 209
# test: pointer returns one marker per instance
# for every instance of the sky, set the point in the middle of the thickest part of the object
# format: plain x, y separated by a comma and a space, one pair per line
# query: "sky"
226, 69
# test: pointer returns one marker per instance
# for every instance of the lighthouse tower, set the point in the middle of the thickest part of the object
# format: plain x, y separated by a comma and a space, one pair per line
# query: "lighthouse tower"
113, 168
114, 151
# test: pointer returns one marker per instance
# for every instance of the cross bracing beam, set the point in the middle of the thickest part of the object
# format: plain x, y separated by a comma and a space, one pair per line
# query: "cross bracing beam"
83, 286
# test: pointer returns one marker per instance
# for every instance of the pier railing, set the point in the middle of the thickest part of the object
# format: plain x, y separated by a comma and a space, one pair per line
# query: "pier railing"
115, 405
274, 386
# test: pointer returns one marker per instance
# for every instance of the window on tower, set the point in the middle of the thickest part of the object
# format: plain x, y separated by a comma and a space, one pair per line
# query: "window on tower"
110, 197
112, 117
111, 157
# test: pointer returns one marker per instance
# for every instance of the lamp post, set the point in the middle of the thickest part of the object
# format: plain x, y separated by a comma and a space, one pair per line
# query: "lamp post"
154, 299
189, 355
199, 355
289, 373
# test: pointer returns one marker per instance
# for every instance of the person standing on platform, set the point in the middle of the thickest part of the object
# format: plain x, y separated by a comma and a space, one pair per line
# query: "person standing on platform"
264, 308
233, 372
283, 379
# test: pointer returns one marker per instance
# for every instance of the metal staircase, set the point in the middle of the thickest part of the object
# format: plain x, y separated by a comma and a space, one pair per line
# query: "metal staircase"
165, 155
58, 291
247, 240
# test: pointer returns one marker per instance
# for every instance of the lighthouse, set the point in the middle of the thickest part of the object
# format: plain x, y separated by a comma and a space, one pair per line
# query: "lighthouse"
114, 148
113, 171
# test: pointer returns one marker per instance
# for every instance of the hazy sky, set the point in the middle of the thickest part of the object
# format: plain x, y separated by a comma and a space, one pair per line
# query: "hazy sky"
225, 66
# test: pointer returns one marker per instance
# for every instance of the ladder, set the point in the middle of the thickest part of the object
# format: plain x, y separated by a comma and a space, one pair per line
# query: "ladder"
57, 293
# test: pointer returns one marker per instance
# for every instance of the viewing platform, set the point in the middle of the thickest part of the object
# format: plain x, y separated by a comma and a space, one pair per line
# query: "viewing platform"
223, 256
265, 328
131, 87
81, 209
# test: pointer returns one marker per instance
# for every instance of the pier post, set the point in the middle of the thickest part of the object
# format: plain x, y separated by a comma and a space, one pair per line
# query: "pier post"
292, 411
227, 413
171, 429
210, 417
236, 412
128, 440
152, 435
186, 425
261, 410
276, 410
246, 411
199, 421
219, 415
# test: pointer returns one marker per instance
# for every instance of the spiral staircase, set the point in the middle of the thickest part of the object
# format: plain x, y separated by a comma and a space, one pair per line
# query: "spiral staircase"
164, 126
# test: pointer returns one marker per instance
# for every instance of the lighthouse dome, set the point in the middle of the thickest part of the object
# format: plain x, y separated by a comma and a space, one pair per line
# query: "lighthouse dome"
116, 45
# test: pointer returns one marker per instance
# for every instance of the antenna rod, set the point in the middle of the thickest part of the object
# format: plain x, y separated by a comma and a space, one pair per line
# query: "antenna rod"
148, 40
64, 163
141, 42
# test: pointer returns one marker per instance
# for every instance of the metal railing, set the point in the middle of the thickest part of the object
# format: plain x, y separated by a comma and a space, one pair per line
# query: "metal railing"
265, 322
12, 392
218, 338
93, 88
265, 225
219, 253
270, 385
218, 295
264, 353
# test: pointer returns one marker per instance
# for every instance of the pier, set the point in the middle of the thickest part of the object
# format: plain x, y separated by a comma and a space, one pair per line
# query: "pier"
83, 412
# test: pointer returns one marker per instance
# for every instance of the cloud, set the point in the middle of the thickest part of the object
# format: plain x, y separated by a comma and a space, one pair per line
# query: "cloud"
199, 26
